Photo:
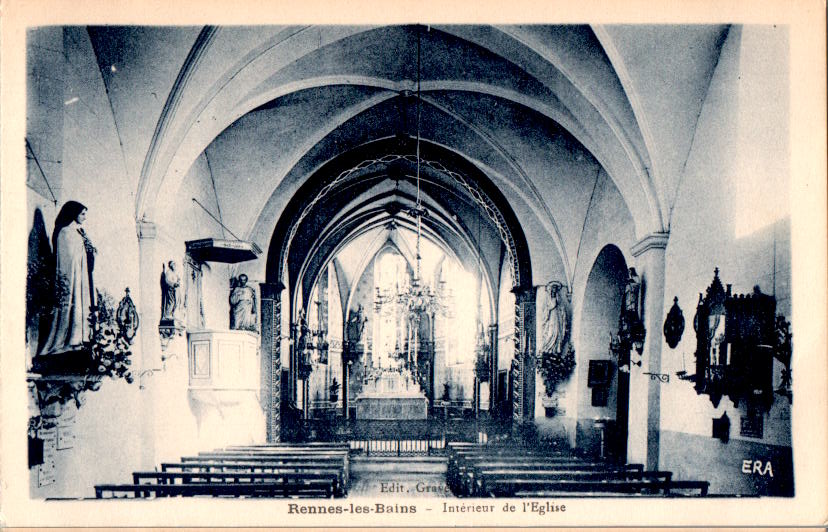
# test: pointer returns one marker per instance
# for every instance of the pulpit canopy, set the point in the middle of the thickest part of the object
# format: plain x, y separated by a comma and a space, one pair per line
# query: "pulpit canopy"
218, 250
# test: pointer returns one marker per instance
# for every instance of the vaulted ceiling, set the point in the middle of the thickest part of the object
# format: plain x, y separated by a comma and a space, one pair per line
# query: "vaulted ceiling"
533, 113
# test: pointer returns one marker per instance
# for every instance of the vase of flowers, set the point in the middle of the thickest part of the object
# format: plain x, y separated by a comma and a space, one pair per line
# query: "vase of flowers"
110, 349
333, 389
556, 368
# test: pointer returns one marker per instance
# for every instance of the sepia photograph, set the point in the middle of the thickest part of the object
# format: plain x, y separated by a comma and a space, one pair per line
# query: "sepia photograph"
407, 272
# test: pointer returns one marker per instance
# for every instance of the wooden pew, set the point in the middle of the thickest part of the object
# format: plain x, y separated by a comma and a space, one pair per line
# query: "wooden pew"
283, 488
508, 470
471, 483
540, 488
257, 466
461, 462
192, 477
281, 455
498, 483
246, 471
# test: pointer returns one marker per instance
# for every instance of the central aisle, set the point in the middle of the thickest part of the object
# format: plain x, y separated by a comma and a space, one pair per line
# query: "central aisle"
393, 476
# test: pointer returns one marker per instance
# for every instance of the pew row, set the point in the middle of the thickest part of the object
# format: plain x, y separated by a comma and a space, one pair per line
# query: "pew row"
502, 470
280, 470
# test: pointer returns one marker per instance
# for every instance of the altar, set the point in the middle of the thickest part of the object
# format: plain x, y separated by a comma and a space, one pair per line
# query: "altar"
391, 394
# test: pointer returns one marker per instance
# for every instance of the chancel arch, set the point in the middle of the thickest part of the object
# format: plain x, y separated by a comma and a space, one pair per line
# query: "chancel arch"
346, 201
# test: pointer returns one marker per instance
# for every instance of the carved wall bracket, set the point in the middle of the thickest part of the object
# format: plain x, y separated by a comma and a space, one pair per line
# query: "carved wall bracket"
661, 377
52, 393
169, 329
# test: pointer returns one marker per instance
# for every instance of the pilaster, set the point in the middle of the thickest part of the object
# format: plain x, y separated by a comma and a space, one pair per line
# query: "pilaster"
523, 407
149, 298
271, 349
649, 253
493, 364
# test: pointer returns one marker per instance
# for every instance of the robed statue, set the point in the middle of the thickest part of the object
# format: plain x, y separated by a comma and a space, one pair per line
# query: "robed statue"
632, 294
302, 332
74, 292
242, 305
356, 325
554, 321
170, 291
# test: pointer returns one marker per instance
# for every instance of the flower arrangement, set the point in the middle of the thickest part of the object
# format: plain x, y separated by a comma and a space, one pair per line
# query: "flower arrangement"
110, 350
556, 368
481, 365
333, 389
446, 391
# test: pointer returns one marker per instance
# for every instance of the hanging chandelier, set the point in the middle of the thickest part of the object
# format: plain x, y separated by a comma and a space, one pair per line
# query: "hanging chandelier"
417, 297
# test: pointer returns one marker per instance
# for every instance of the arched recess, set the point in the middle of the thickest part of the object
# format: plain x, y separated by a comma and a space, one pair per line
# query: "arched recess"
600, 311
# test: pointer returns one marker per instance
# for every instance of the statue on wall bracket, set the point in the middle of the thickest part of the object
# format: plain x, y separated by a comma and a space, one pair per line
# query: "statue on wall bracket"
631, 328
242, 305
87, 338
557, 357
170, 324
74, 295
303, 346
356, 326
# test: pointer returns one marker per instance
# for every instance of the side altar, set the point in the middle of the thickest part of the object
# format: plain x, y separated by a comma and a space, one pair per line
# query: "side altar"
391, 394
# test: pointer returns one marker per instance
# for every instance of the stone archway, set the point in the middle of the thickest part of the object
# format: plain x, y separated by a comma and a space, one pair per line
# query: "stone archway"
492, 206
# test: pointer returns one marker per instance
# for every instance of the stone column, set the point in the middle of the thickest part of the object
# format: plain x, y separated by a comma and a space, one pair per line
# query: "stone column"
649, 254
293, 372
523, 407
346, 356
271, 349
149, 300
493, 362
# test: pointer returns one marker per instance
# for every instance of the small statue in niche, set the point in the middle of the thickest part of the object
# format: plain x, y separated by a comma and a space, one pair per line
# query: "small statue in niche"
74, 291
303, 346
170, 291
242, 305
302, 330
356, 325
630, 327
632, 293
554, 321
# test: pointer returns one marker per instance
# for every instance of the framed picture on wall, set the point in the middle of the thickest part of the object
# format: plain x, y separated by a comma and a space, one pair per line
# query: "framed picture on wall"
599, 373
600, 396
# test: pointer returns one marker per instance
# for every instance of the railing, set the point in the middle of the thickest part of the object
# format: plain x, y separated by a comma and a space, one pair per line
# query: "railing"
400, 438
398, 447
